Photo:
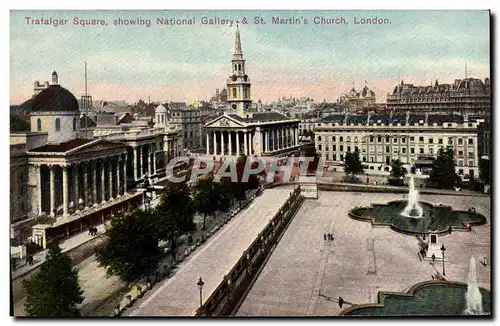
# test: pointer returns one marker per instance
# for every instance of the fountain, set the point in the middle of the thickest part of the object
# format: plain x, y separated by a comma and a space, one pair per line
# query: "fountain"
413, 209
473, 297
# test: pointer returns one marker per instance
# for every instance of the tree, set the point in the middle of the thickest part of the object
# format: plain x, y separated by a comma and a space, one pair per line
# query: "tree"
175, 212
352, 164
397, 169
131, 249
205, 197
443, 170
54, 291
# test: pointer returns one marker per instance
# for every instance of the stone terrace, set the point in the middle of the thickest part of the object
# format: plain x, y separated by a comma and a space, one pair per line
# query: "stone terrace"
179, 295
305, 272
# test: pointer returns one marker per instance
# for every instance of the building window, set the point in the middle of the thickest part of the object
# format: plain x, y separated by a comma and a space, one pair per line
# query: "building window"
412, 139
421, 151
403, 140
319, 138
431, 151
460, 153
431, 140
471, 163
470, 141
341, 138
421, 139
440, 141
334, 148
460, 141
39, 124
403, 150
450, 141
364, 158
348, 148
387, 149
333, 138
341, 148
348, 138
319, 147
371, 139
234, 92
58, 124
460, 171
379, 139
341, 157
326, 148
387, 139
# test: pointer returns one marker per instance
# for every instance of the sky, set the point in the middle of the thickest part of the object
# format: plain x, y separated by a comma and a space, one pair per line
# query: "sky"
188, 62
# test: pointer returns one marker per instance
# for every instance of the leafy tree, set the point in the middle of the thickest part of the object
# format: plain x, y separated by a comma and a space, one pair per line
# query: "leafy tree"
352, 164
54, 291
443, 170
175, 213
485, 171
132, 247
205, 197
397, 169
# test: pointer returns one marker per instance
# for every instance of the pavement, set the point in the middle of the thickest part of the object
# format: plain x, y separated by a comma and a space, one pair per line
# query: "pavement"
179, 294
305, 274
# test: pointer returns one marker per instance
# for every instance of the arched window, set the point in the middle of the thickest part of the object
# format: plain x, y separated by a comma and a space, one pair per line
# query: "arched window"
74, 124
58, 124
234, 93
239, 67
39, 125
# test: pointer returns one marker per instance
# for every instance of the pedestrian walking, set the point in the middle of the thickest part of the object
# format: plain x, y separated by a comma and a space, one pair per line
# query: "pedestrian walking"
341, 302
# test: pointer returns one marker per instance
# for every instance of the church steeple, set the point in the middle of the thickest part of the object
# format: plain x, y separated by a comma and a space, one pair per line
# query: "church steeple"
238, 84
238, 53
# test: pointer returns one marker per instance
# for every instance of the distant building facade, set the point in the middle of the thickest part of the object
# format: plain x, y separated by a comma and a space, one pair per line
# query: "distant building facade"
464, 96
410, 138
354, 100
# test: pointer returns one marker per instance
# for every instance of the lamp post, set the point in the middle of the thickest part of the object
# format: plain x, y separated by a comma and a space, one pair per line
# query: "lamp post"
200, 287
443, 249
423, 227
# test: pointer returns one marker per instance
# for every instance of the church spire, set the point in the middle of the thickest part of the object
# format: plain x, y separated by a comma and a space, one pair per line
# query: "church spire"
238, 53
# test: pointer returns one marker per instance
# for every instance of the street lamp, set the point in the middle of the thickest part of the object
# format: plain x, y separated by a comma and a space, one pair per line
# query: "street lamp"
200, 287
423, 227
443, 249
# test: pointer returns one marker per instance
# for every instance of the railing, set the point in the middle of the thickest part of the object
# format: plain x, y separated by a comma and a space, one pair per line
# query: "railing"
231, 291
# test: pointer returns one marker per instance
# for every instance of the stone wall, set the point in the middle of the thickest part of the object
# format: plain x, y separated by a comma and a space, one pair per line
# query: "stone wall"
232, 290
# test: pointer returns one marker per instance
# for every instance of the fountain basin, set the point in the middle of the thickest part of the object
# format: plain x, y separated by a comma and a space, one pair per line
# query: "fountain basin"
429, 298
440, 219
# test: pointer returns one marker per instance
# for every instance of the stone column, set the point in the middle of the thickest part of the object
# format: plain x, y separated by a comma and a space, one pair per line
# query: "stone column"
110, 176
222, 149
39, 190
118, 195
230, 152
103, 181
208, 143
245, 141
154, 159
141, 163
52, 191
65, 192
274, 138
76, 172
215, 142
237, 143
94, 181
296, 136
134, 161
149, 159
125, 174
85, 185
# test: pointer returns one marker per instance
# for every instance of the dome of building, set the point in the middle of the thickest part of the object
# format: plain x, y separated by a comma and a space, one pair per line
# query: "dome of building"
55, 99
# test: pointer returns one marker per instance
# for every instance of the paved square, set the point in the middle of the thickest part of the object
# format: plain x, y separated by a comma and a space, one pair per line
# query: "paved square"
360, 261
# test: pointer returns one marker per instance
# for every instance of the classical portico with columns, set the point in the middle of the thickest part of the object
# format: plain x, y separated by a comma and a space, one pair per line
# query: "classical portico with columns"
241, 130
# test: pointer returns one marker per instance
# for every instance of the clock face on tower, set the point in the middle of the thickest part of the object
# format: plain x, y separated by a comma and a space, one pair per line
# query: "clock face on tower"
233, 77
